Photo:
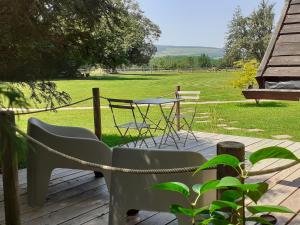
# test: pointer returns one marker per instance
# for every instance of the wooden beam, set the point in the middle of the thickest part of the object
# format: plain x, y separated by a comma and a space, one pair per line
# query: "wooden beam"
293, 72
292, 19
272, 94
284, 61
177, 109
290, 29
287, 49
235, 149
294, 9
9, 168
97, 113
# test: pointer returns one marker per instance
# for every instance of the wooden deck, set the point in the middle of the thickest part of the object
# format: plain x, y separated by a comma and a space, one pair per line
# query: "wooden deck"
76, 197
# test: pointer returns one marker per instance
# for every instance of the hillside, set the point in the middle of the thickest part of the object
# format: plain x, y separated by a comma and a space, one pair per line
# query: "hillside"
166, 50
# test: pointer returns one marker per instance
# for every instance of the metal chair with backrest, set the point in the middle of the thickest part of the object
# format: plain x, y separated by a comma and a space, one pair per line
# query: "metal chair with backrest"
188, 118
124, 128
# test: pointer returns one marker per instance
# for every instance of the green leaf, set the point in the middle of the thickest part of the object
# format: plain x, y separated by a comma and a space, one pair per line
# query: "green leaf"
270, 153
210, 185
255, 195
258, 219
227, 160
215, 221
219, 204
229, 182
182, 210
196, 188
174, 186
200, 210
268, 209
231, 195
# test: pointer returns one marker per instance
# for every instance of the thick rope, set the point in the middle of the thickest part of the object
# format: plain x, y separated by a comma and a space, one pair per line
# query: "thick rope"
277, 169
53, 109
97, 167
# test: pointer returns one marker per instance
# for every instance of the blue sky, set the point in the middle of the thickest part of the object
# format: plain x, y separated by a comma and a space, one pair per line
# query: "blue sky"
197, 22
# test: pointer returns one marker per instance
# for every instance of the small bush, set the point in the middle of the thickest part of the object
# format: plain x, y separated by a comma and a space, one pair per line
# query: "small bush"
246, 74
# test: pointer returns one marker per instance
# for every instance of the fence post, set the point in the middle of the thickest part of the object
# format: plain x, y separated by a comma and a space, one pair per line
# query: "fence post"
9, 168
97, 119
235, 149
97, 113
177, 109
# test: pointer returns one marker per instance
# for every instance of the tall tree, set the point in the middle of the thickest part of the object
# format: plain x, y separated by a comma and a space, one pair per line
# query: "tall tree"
261, 24
248, 37
237, 34
46, 39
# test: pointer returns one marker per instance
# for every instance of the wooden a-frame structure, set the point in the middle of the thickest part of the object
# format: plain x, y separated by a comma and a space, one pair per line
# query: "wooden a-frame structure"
282, 58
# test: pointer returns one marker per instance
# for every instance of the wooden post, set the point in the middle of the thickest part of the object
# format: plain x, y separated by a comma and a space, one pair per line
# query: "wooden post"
177, 110
9, 168
97, 113
235, 149
97, 120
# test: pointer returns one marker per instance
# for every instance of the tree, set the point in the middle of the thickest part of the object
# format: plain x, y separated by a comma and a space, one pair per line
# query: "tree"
248, 37
235, 47
260, 28
46, 39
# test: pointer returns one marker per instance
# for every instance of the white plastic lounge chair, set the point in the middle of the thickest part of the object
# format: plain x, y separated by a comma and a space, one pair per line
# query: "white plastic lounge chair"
127, 191
73, 141
134, 191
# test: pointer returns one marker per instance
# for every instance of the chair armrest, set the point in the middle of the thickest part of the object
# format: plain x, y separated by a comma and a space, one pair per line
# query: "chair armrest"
76, 132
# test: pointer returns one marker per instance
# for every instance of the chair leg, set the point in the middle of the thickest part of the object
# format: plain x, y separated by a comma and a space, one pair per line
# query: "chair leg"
37, 186
132, 212
117, 215
98, 174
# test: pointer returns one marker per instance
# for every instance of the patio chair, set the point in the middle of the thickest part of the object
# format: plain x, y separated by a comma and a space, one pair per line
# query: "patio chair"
124, 128
134, 191
73, 141
187, 119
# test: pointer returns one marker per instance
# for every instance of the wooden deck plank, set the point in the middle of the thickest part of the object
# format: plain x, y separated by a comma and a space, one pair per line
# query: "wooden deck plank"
295, 221
76, 197
292, 202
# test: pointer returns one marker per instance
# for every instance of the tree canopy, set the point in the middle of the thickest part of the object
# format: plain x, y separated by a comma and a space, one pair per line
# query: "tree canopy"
51, 38
248, 37
46, 39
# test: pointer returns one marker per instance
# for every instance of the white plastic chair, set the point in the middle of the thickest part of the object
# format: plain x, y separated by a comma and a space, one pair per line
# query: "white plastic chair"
127, 191
134, 191
73, 141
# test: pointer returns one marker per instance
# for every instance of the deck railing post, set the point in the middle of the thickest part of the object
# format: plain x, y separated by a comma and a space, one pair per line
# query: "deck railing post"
8, 152
177, 109
97, 119
235, 149
97, 113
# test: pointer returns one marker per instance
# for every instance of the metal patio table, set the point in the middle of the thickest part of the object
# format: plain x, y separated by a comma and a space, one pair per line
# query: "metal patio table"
168, 130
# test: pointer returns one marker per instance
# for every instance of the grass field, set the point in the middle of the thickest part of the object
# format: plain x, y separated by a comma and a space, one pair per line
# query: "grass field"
213, 85
267, 119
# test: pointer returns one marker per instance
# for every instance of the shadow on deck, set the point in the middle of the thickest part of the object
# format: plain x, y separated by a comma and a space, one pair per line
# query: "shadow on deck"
77, 197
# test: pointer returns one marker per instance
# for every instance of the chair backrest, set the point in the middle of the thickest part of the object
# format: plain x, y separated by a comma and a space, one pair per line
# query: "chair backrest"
121, 104
134, 187
188, 95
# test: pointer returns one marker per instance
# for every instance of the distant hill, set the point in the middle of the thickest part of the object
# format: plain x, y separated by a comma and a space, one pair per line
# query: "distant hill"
168, 50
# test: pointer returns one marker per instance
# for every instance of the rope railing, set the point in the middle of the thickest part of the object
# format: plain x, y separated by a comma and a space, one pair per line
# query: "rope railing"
68, 105
97, 167
54, 108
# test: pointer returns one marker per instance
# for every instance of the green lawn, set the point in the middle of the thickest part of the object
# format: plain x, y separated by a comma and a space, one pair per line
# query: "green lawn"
272, 118
213, 85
